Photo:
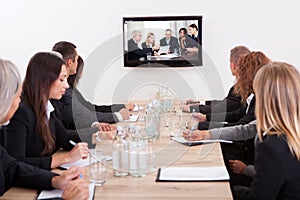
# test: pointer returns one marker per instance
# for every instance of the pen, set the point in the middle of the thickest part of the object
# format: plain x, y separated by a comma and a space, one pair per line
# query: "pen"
72, 142
193, 102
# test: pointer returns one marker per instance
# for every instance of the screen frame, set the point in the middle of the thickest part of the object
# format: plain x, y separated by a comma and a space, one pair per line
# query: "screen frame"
163, 63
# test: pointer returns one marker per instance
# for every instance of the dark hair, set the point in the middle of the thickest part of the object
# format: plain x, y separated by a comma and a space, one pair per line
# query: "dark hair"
74, 79
43, 69
66, 49
184, 30
194, 26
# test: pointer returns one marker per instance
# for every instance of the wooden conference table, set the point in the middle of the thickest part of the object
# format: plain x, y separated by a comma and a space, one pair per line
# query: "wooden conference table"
168, 153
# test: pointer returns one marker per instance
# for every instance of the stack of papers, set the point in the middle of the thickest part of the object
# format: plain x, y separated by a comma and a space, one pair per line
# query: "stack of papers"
197, 142
49, 194
178, 174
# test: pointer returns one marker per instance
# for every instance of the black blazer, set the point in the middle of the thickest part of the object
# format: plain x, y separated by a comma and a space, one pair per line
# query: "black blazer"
134, 52
76, 108
23, 142
19, 174
277, 170
237, 117
231, 102
173, 43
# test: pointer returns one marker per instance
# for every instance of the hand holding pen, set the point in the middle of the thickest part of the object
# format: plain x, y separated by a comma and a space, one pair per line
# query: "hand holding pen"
79, 151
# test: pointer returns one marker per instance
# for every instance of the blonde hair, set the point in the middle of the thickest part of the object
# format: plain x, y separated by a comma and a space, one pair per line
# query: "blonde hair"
277, 90
10, 81
148, 38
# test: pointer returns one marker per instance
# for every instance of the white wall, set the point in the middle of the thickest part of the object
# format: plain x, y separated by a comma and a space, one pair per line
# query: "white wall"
34, 25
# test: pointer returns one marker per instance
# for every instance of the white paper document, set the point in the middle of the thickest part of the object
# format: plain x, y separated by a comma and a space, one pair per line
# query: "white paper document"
218, 173
46, 194
168, 56
133, 118
164, 49
83, 162
137, 108
197, 142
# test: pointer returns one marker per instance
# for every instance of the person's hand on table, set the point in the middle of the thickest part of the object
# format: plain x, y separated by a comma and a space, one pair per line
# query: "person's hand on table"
77, 189
237, 166
196, 135
79, 151
105, 127
125, 113
129, 106
61, 181
200, 117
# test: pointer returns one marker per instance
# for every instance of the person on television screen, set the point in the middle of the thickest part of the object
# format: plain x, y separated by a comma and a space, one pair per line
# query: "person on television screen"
170, 40
187, 44
193, 32
134, 52
150, 42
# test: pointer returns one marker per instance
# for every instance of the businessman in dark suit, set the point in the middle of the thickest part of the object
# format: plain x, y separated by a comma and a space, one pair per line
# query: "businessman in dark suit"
134, 52
170, 40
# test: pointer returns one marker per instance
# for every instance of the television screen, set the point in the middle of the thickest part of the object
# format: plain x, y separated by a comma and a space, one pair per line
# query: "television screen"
158, 41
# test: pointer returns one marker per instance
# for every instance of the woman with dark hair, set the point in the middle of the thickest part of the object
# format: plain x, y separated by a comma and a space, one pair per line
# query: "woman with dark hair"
34, 132
79, 113
15, 173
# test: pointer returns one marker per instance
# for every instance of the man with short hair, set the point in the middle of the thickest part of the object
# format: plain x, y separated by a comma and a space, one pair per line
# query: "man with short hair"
169, 40
69, 54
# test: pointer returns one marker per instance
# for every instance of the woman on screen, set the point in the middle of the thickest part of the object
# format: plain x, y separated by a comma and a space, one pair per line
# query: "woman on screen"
150, 41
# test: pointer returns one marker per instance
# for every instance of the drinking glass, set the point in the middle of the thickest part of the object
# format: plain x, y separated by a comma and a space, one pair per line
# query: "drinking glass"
97, 167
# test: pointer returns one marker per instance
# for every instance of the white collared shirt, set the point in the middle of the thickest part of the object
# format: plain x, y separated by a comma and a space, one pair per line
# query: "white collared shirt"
249, 99
49, 109
5, 123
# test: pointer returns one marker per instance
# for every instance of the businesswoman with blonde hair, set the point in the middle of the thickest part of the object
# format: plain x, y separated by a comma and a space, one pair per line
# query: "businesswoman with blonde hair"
35, 133
15, 173
277, 156
150, 41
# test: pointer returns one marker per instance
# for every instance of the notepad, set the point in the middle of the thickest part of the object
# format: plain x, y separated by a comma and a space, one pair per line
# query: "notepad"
133, 118
197, 142
83, 162
137, 108
46, 194
193, 174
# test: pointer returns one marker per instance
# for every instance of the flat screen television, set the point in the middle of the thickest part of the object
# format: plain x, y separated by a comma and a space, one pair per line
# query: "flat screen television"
162, 41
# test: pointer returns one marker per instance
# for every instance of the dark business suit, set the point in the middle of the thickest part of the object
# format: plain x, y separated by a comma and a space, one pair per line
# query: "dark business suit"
134, 52
23, 142
75, 107
237, 117
231, 102
173, 43
277, 171
19, 174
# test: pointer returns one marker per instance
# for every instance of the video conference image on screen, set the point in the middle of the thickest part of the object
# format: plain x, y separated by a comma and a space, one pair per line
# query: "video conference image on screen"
162, 41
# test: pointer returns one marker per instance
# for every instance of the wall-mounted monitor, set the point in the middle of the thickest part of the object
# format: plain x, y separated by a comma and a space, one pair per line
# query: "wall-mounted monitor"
158, 41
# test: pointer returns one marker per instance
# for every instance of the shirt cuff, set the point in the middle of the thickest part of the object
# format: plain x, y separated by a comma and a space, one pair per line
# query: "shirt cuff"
119, 116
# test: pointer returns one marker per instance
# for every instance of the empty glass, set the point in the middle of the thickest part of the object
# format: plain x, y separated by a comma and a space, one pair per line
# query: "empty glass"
97, 167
